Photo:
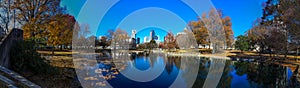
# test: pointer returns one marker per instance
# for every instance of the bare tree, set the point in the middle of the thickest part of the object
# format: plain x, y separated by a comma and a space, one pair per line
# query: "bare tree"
186, 40
5, 15
216, 31
119, 39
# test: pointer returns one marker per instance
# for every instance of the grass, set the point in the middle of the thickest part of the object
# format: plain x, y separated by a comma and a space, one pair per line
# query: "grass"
253, 53
57, 52
64, 78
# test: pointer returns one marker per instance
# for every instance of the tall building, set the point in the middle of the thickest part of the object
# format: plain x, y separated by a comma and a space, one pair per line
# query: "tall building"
133, 34
151, 37
138, 40
151, 34
145, 39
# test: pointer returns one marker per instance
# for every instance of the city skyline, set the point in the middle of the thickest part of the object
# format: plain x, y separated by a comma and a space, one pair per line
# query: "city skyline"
241, 21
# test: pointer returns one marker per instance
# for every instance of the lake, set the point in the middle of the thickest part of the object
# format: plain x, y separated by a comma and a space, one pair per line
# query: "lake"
159, 70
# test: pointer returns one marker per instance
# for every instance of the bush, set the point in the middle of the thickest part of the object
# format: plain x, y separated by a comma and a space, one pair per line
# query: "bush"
205, 51
24, 57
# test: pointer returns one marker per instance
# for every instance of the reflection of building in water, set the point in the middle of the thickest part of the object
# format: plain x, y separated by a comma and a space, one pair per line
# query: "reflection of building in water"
169, 64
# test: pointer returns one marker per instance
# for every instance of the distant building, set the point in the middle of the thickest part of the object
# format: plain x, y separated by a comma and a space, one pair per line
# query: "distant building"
133, 34
152, 36
138, 40
152, 33
132, 44
180, 33
145, 39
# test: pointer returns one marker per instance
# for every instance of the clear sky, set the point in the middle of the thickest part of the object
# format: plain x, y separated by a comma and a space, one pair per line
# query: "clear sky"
168, 15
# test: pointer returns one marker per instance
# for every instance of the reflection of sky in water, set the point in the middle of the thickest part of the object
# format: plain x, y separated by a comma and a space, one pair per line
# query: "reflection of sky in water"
170, 72
239, 81
165, 79
243, 82
142, 63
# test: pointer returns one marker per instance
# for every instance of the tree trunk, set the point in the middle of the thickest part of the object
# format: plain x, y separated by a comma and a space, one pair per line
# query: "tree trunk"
285, 55
61, 47
70, 47
297, 51
52, 50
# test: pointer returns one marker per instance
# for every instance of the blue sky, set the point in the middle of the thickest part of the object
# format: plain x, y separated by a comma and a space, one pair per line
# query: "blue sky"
161, 14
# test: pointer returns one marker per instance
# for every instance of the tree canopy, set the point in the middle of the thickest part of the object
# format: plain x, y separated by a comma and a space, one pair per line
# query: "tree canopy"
242, 43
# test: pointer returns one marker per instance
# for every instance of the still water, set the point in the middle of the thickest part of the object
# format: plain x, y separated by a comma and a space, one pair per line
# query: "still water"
162, 71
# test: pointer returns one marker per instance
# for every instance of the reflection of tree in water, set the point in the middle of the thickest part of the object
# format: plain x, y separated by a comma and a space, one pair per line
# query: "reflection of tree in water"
177, 62
263, 75
202, 72
172, 61
225, 81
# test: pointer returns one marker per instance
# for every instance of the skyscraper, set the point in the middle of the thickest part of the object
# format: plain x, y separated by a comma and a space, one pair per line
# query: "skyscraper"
133, 34
151, 34
138, 40
145, 39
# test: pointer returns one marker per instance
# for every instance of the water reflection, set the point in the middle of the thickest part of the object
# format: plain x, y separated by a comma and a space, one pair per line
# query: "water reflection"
161, 70
264, 75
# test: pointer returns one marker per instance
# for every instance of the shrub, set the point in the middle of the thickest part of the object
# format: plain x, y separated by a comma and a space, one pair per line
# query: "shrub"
24, 57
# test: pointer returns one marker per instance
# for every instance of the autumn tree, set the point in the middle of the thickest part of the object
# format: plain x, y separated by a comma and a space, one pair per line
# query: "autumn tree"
67, 34
200, 31
170, 41
54, 32
161, 45
60, 30
34, 15
227, 25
